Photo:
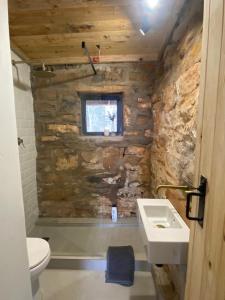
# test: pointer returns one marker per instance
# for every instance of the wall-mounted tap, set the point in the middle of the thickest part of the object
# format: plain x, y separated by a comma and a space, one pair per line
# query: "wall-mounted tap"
20, 142
174, 187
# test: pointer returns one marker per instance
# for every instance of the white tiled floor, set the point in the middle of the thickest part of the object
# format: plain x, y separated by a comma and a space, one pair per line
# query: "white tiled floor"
90, 285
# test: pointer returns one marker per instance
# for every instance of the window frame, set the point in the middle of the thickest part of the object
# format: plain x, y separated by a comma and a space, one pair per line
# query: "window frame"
104, 97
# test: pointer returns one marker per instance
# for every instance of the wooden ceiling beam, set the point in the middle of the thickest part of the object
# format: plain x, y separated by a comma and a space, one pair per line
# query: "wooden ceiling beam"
66, 54
80, 15
106, 49
103, 38
72, 27
150, 57
27, 5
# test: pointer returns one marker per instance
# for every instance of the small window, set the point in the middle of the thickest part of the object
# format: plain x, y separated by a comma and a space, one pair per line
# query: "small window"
102, 114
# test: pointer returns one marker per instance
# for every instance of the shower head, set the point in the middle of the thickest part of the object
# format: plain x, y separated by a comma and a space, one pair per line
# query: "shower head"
43, 73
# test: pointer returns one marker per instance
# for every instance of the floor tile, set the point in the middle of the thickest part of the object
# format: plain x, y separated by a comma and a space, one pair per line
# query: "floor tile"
90, 285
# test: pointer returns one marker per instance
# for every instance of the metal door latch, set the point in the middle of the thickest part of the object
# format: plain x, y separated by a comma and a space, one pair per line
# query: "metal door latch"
201, 193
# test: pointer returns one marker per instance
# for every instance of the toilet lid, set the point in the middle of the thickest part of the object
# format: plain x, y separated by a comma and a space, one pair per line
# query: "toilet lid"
38, 250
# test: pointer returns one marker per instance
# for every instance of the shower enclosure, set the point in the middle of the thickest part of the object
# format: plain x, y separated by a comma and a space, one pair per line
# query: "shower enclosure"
81, 174
89, 237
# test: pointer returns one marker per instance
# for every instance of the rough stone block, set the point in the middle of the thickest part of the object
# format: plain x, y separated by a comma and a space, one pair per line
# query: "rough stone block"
189, 80
67, 163
135, 150
63, 128
49, 138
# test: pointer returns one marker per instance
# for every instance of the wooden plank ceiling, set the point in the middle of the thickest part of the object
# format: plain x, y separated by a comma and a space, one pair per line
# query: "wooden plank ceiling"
51, 31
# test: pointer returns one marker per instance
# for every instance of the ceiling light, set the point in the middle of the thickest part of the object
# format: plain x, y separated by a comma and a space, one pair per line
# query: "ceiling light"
141, 31
152, 3
144, 29
145, 25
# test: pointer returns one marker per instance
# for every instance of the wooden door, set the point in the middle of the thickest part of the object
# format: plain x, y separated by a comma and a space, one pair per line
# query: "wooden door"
206, 262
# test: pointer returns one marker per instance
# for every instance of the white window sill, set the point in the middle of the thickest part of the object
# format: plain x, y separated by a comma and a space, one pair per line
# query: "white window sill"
102, 138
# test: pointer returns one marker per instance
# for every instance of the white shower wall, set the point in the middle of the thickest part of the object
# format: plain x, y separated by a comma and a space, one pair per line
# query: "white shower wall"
26, 131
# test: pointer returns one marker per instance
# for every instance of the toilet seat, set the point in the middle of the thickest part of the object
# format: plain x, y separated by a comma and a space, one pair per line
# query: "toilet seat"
38, 256
38, 252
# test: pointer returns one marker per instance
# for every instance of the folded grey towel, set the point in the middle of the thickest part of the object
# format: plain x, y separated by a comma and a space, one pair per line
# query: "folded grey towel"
120, 265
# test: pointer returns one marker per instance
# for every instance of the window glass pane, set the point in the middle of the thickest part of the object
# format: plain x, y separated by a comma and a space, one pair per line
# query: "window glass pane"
101, 115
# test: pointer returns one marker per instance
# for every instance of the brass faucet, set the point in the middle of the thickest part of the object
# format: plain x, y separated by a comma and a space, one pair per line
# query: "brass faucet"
175, 187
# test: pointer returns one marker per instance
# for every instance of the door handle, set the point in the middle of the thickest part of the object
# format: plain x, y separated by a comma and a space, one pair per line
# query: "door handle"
201, 193
190, 194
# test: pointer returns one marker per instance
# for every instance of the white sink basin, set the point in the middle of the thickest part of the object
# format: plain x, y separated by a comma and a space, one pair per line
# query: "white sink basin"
165, 234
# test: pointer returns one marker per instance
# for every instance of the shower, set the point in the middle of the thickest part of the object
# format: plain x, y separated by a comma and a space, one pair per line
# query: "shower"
45, 72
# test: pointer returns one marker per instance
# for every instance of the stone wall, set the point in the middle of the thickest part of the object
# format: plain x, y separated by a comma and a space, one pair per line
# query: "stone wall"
174, 107
25, 130
80, 176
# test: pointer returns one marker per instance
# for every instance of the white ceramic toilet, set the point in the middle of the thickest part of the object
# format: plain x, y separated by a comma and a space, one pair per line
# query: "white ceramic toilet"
39, 256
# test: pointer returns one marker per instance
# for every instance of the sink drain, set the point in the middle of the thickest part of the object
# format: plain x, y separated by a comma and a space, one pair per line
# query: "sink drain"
160, 226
